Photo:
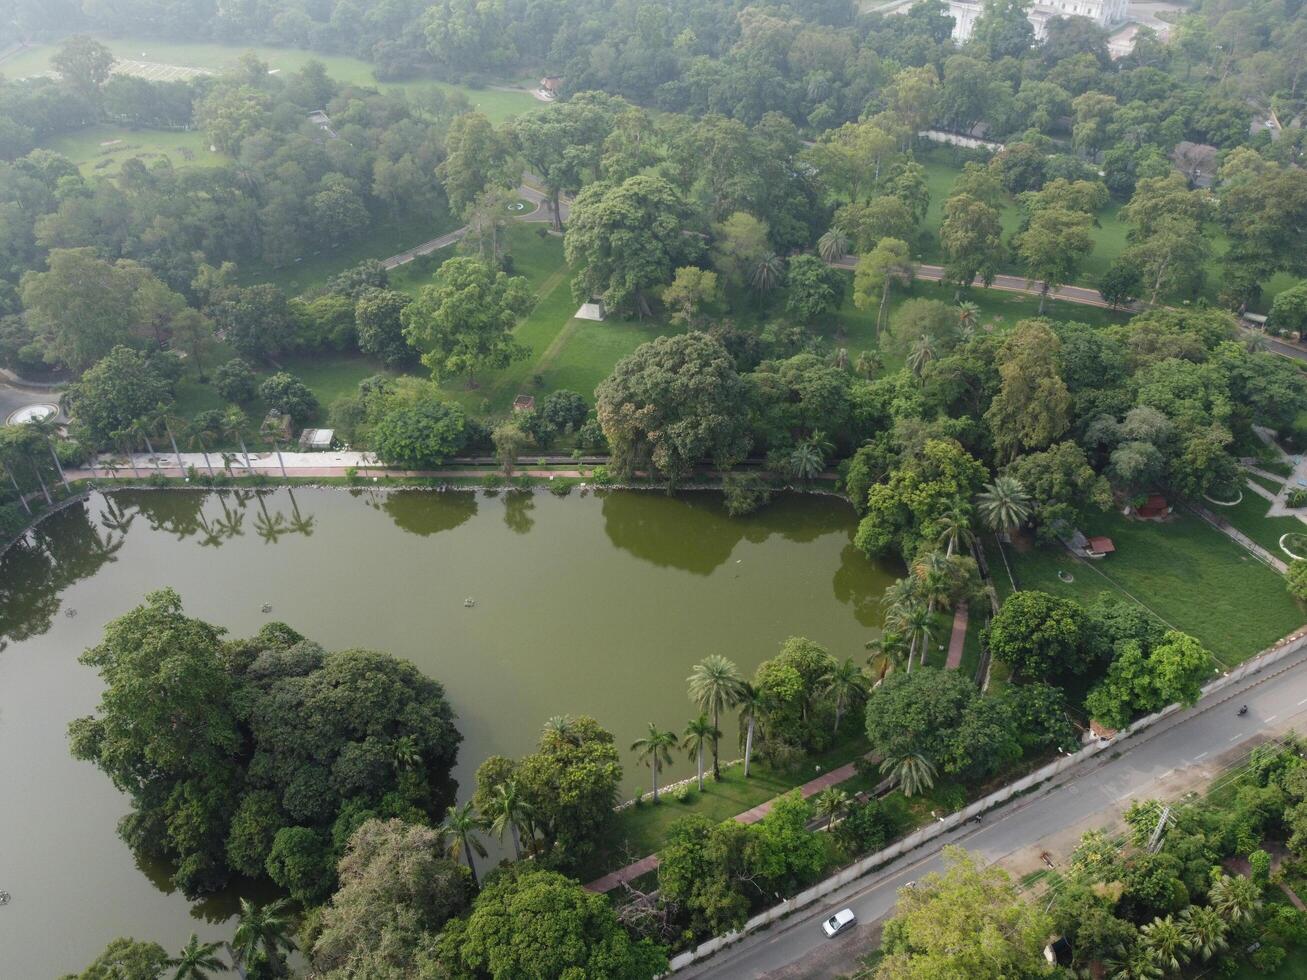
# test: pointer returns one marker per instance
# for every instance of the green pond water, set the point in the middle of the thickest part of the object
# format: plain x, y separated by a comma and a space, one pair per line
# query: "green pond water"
595, 604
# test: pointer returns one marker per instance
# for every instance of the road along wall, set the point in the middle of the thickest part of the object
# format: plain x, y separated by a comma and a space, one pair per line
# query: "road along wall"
1284, 648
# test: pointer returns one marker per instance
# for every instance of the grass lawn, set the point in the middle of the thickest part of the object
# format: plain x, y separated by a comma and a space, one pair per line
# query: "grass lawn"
87, 148
1275, 486
640, 830
386, 238
1249, 516
497, 105
1183, 571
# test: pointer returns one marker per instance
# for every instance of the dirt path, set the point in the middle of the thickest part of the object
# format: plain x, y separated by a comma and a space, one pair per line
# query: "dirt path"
957, 640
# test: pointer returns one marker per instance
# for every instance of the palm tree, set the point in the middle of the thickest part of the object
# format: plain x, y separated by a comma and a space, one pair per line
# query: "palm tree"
697, 734
867, 363
921, 354
750, 705
715, 685
141, 429
1132, 962
833, 245
767, 274
1235, 899
913, 619
843, 683
1004, 505
509, 812
911, 772
196, 960
123, 437
831, 804
887, 652
276, 448
48, 427
655, 749
562, 728
1204, 931
955, 529
233, 425
968, 316
1166, 941
262, 932
459, 829
805, 461
405, 754
167, 419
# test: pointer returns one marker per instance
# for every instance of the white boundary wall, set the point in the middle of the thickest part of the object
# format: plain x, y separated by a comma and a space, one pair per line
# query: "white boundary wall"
1289, 645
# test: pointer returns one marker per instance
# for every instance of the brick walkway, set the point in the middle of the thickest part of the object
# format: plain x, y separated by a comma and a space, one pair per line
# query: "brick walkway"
646, 864
957, 640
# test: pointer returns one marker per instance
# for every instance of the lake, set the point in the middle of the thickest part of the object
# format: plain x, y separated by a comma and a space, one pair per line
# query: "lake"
589, 604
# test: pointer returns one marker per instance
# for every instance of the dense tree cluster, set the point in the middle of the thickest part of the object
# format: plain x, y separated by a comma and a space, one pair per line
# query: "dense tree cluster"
259, 756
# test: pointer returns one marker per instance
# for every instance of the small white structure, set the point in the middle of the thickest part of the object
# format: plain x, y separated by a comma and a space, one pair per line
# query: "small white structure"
594, 310
32, 413
316, 440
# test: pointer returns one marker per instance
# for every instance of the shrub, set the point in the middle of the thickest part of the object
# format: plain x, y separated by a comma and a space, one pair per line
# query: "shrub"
1297, 497
744, 493
683, 793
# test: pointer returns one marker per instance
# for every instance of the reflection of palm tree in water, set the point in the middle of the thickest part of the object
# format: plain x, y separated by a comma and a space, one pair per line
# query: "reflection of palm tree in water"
230, 525
268, 527
115, 518
299, 523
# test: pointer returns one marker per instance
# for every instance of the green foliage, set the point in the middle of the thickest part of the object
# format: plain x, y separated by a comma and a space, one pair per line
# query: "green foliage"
289, 395
744, 493
1141, 680
1296, 579
462, 323
673, 402
300, 862
1040, 636
420, 436
791, 692
111, 396
969, 921
235, 381
533, 923
814, 289
626, 240
284, 739
570, 783
126, 959
397, 890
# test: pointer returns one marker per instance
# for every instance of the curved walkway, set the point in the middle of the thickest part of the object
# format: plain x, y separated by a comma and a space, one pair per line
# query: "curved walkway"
540, 214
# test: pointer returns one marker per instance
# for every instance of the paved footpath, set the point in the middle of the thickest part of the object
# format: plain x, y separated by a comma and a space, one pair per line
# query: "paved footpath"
957, 640
650, 862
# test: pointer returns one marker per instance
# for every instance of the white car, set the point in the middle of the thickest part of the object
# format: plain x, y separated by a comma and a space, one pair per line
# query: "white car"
838, 922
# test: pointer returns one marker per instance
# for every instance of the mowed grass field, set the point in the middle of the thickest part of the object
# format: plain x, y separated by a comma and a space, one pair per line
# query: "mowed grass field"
103, 149
1185, 572
497, 105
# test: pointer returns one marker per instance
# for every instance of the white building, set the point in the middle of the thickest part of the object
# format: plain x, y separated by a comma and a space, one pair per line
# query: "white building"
1105, 13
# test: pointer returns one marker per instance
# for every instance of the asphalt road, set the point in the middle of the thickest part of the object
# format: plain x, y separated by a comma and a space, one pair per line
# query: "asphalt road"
1008, 284
1179, 754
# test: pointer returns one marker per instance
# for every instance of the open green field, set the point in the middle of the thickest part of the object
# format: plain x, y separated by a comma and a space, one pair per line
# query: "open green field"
1249, 516
641, 830
103, 149
497, 105
1183, 571
387, 238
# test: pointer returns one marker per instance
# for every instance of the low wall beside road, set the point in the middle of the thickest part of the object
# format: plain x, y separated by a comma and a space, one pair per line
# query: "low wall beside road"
1284, 648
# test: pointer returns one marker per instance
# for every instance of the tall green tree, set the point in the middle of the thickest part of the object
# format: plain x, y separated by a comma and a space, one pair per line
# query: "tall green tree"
1052, 247
263, 936
673, 402
197, 960
889, 262
626, 240
463, 321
